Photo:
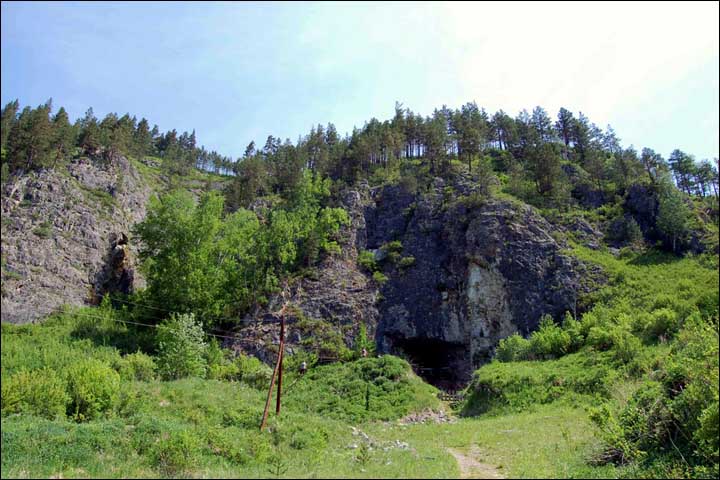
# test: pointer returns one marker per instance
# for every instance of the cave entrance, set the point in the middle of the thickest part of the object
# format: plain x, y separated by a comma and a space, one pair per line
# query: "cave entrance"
445, 365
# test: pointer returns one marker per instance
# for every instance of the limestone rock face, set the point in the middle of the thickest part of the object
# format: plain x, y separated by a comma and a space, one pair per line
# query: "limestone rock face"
62, 236
482, 270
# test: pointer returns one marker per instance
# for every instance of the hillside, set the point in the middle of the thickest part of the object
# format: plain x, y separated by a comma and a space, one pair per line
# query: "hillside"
563, 288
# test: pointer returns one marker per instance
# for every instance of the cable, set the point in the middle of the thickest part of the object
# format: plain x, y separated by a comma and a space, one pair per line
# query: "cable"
87, 315
173, 311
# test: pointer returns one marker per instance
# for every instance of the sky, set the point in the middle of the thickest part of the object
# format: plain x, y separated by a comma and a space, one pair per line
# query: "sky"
237, 72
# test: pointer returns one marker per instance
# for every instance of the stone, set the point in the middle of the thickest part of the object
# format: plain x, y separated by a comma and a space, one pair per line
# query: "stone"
62, 245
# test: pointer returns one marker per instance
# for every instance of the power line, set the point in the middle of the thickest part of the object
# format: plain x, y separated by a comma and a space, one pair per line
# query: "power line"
239, 340
173, 311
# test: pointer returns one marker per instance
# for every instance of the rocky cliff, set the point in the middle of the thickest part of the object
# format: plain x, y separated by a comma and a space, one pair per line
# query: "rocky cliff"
463, 270
483, 269
65, 236
467, 271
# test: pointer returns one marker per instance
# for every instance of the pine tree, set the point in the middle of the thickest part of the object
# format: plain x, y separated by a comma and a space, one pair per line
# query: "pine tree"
63, 136
564, 128
30, 142
683, 168
7, 121
142, 139
89, 132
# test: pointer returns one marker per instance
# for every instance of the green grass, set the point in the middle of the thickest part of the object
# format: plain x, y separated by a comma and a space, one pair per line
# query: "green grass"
44, 230
209, 428
653, 327
143, 435
528, 419
551, 441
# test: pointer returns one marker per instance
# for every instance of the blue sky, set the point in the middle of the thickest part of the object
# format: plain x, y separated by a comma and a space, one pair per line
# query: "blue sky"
242, 71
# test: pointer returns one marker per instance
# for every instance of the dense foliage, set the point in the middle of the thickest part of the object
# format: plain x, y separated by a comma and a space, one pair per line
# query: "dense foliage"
198, 259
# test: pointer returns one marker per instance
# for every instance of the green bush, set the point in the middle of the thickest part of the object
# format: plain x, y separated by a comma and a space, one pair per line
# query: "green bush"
137, 366
94, 389
600, 337
224, 371
40, 392
549, 341
366, 389
253, 372
513, 349
406, 262
392, 251
304, 436
626, 230
229, 443
660, 323
176, 453
214, 353
500, 386
626, 346
671, 420
366, 259
181, 348
380, 278
574, 330
362, 340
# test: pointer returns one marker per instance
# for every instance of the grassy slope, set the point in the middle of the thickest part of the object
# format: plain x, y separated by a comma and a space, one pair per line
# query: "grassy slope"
144, 435
534, 425
573, 384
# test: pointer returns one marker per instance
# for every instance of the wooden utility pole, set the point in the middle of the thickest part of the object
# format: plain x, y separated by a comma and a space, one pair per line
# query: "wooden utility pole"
277, 372
282, 354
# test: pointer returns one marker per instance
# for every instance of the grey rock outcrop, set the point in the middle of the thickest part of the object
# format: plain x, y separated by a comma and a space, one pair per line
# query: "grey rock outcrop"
62, 236
480, 273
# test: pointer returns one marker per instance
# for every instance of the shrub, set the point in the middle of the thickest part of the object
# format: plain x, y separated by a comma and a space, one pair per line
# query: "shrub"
40, 392
45, 230
137, 366
625, 229
380, 278
366, 259
408, 183
512, 349
253, 372
707, 435
364, 341
626, 346
214, 354
549, 340
392, 251
229, 444
600, 338
176, 453
225, 371
660, 322
94, 389
406, 262
181, 348
574, 330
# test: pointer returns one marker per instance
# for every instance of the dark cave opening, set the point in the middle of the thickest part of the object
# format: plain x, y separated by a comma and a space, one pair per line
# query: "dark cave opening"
445, 365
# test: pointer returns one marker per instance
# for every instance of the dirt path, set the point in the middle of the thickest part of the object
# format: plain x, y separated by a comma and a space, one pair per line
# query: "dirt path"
471, 468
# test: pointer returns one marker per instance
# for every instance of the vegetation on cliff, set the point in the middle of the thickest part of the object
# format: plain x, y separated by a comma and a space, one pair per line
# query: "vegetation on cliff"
636, 358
